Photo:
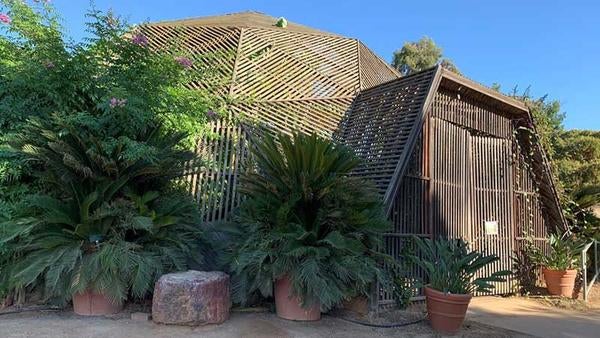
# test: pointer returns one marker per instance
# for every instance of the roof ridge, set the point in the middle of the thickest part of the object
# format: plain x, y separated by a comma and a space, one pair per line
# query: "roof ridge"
249, 18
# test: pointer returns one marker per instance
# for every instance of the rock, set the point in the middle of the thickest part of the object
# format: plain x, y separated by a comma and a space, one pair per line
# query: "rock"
141, 316
191, 298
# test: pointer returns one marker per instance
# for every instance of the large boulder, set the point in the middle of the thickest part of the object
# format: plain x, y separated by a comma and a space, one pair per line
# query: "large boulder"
191, 298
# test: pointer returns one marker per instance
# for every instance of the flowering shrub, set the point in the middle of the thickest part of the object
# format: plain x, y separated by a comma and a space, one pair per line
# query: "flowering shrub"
93, 137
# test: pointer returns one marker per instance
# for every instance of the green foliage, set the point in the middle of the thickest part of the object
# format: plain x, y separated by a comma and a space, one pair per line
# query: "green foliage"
305, 217
420, 55
102, 224
402, 291
564, 254
451, 267
110, 76
93, 140
523, 267
578, 159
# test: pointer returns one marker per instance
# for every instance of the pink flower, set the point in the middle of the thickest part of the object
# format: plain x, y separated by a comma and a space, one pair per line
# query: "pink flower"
211, 114
114, 102
5, 19
183, 61
140, 40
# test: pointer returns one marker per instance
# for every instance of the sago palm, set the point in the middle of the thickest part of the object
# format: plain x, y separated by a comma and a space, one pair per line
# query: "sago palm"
306, 217
111, 219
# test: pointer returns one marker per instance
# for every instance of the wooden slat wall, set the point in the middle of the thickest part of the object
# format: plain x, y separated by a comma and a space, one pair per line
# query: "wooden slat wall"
380, 123
295, 79
224, 152
492, 195
373, 70
409, 213
212, 49
467, 170
450, 199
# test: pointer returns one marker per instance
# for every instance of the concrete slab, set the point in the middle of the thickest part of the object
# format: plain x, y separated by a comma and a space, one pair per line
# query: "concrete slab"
531, 317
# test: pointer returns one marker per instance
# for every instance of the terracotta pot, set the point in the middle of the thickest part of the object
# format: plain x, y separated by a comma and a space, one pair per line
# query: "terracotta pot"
358, 305
446, 311
560, 282
90, 303
288, 306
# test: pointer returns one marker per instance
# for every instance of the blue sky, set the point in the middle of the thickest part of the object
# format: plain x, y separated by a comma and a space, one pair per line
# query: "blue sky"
552, 45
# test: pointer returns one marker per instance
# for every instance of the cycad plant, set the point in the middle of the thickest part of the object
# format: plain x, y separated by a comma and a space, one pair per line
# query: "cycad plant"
451, 266
110, 219
305, 217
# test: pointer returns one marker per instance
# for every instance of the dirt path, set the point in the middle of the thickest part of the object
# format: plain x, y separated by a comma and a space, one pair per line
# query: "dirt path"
533, 317
68, 325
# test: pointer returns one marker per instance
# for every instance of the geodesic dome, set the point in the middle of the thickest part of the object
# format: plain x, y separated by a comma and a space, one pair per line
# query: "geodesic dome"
288, 79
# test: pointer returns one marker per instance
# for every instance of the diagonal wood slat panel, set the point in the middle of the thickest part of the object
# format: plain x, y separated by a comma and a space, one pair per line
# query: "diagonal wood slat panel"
307, 116
287, 79
380, 123
275, 65
213, 50
373, 70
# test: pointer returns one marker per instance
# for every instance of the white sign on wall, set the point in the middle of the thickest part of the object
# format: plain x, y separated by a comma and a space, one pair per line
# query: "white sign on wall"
491, 227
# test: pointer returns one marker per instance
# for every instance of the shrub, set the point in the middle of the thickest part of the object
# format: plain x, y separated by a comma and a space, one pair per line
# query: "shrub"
93, 145
304, 216
451, 267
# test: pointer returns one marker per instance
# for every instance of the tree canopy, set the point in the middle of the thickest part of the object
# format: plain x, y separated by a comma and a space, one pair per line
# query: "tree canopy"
417, 56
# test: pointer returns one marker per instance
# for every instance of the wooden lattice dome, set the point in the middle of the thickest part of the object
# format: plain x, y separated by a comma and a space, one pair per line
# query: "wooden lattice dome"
292, 78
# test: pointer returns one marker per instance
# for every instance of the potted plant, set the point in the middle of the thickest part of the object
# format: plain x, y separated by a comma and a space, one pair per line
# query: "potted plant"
97, 236
560, 264
451, 270
309, 233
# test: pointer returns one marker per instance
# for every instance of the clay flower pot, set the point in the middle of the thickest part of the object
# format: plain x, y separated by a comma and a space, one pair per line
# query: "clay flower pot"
446, 311
91, 303
560, 282
288, 306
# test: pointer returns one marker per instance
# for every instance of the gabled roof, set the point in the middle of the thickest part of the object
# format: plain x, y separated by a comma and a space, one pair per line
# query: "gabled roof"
384, 122
242, 19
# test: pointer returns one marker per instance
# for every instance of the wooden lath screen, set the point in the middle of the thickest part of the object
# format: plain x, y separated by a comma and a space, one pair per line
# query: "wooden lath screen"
492, 197
224, 153
409, 213
373, 70
212, 49
296, 79
381, 122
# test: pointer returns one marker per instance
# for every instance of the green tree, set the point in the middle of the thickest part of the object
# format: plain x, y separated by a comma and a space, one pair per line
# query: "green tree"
578, 158
417, 56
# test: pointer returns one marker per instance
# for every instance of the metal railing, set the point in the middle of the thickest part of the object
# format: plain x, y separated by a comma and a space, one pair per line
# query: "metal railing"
587, 285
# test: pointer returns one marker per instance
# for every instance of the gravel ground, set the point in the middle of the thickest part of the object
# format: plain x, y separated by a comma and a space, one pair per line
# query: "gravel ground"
69, 325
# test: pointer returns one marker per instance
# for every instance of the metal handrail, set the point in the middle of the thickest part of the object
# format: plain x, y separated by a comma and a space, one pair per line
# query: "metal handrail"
587, 286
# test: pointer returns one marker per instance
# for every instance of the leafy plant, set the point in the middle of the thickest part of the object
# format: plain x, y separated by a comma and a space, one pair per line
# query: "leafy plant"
451, 267
93, 145
304, 216
402, 291
101, 225
564, 253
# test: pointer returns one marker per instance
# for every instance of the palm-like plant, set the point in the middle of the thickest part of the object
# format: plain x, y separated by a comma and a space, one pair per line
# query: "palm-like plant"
111, 220
304, 216
564, 253
451, 267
